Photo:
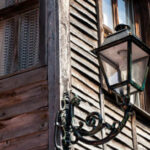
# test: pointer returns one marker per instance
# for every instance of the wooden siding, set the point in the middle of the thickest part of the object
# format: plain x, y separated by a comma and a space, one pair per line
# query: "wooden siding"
123, 141
143, 136
24, 111
85, 81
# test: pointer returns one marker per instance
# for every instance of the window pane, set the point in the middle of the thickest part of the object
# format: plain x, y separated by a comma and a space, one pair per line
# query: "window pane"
122, 11
6, 3
29, 39
115, 67
125, 11
7, 45
107, 13
139, 64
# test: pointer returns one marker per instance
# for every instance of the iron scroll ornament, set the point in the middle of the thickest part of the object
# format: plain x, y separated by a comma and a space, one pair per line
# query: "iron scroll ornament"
64, 123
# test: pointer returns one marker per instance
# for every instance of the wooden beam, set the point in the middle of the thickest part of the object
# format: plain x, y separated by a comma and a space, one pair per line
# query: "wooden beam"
134, 134
100, 22
53, 66
23, 78
43, 32
58, 58
115, 12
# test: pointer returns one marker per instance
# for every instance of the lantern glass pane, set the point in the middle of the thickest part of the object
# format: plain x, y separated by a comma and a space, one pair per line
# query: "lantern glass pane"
114, 60
123, 90
139, 64
108, 13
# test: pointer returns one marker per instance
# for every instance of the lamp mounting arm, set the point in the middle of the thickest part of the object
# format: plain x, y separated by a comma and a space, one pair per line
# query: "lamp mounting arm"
71, 133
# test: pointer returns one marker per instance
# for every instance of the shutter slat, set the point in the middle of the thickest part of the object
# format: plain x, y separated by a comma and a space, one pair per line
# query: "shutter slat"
7, 44
29, 39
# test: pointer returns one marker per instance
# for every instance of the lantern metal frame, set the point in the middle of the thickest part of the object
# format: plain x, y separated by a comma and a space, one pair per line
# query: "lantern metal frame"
64, 121
129, 39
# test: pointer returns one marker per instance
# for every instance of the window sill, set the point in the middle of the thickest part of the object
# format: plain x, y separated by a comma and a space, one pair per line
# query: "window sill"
22, 71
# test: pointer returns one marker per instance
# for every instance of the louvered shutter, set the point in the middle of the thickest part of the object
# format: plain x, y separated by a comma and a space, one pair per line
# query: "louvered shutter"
29, 39
7, 44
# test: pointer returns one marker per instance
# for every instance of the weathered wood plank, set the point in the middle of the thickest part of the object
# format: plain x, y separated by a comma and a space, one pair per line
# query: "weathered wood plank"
83, 11
141, 147
82, 87
37, 141
58, 58
81, 146
23, 100
82, 44
84, 28
85, 108
143, 134
89, 147
89, 41
117, 145
23, 79
143, 127
82, 69
85, 54
78, 147
125, 140
78, 15
91, 2
43, 32
23, 125
86, 63
88, 7
85, 80
85, 97
143, 142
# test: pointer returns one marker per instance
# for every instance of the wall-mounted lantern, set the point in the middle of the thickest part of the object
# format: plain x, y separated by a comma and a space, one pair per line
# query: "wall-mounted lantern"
124, 62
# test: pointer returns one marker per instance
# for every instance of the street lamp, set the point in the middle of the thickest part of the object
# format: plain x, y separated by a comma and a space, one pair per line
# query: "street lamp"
124, 63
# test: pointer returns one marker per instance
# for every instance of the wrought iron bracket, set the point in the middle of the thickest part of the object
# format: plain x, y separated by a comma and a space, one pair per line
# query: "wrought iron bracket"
94, 120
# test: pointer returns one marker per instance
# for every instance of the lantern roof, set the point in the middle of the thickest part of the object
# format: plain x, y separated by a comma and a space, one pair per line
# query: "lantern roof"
123, 33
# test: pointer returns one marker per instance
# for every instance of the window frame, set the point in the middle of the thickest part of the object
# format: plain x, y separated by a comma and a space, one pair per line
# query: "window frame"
115, 14
23, 7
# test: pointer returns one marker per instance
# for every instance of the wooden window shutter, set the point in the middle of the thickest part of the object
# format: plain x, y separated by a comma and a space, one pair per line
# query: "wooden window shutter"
7, 44
29, 39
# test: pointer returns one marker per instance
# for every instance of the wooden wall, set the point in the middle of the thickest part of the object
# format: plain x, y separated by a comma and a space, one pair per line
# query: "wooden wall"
24, 111
85, 80
143, 136
84, 38
24, 107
